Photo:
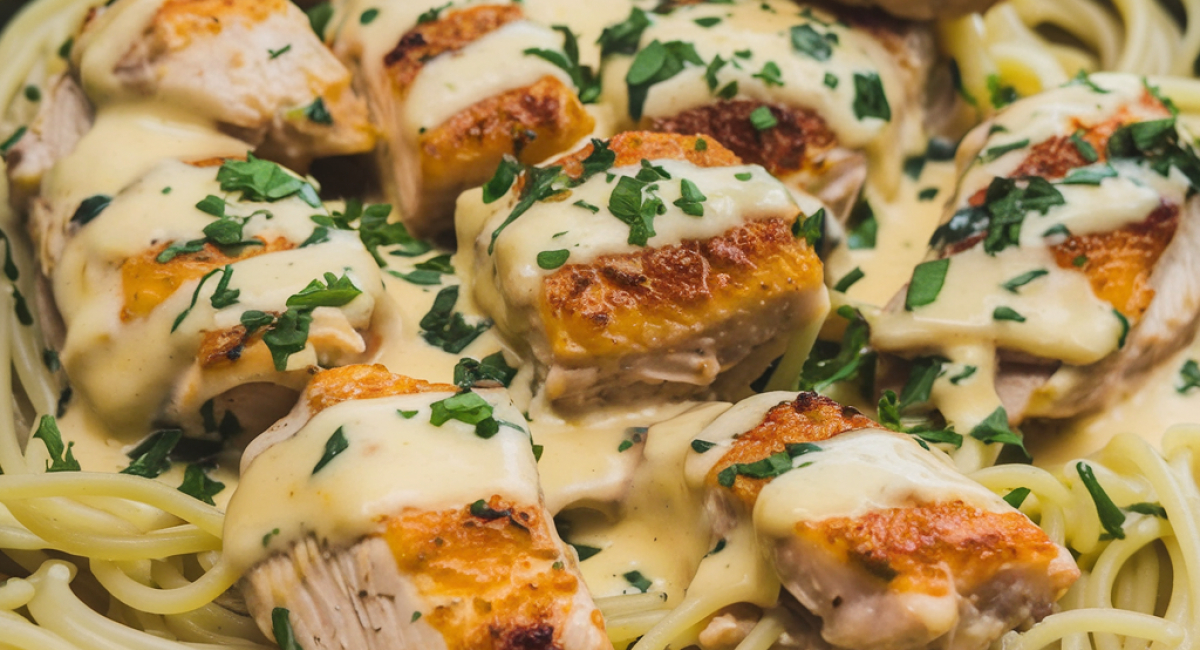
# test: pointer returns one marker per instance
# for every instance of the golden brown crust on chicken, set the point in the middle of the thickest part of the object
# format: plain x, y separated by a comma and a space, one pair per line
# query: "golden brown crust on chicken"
355, 382
932, 548
632, 147
531, 123
621, 304
147, 282
449, 33
493, 582
796, 143
178, 22
808, 418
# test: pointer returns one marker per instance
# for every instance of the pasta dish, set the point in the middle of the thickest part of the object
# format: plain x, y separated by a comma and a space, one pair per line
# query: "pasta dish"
572, 325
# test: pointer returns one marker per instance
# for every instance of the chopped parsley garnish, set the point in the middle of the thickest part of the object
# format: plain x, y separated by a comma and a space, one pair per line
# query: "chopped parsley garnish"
1001, 95
701, 144
849, 280
1089, 175
1085, 148
808, 41
583, 76
1189, 373
1081, 78
50, 360
586, 206
831, 80
701, 446
1016, 283
623, 37
926, 283
318, 17
762, 119
197, 484
1057, 229
925, 371
862, 227
638, 581
447, 329
288, 336
964, 375
774, 465
12, 140
152, 456
466, 407
367, 17
481, 509
276, 53
770, 74
263, 181
633, 202
691, 200
334, 292
1007, 314
223, 296
502, 180
540, 183
743, 176
195, 296
927, 194
1147, 508
708, 21
1111, 517
408, 415
1006, 203
33, 93
994, 429
1017, 497
992, 153
889, 417
432, 14
90, 208
869, 97
61, 458
336, 444
654, 64
1079, 261
852, 359
285, 637
266, 540
811, 228
318, 113
469, 372
415, 617
1124, 322
550, 260
729, 91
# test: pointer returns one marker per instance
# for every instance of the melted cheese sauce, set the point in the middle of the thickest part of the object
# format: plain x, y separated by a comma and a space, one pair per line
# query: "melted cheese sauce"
389, 464
762, 29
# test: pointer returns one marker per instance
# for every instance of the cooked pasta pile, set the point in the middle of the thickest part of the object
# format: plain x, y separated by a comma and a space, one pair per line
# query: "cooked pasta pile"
105, 560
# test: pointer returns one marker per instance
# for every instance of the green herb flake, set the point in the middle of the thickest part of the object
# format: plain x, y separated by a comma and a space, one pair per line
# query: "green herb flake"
1111, 517
808, 41
263, 181
708, 22
926, 283
1124, 323
762, 119
927, 194
285, 636
152, 456
336, 444
633, 202
1080, 261
266, 540
407, 415
416, 616
743, 176
90, 208
852, 359
1085, 148
274, 54
447, 329
319, 16
1089, 175
691, 201
966, 373
333, 292
197, 484
770, 74
432, 14
1148, 509
1189, 374
654, 64
701, 446
288, 336
367, 17
550, 260
994, 429
318, 113
924, 372
870, 100
502, 180
1001, 94
585, 79
1007, 314
1017, 497
831, 80
466, 407
61, 457
849, 280
638, 581
12, 140
623, 37
811, 228
1013, 285
729, 91
995, 152
586, 206
469, 372
701, 145
33, 93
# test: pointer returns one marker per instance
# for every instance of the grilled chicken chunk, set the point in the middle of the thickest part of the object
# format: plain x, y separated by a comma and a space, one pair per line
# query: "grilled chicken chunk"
687, 267
403, 514
202, 293
808, 96
253, 67
450, 101
1070, 247
882, 540
63, 116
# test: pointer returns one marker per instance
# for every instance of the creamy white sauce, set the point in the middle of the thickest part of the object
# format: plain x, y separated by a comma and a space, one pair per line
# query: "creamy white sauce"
888, 469
390, 463
763, 30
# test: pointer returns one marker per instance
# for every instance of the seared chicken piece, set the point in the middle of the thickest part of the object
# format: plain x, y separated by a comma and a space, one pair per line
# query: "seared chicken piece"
686, 267
63, 116
926, 9
200, 292
882, 540
807, 96
253, 67
1070, 247
401, 514
454, 91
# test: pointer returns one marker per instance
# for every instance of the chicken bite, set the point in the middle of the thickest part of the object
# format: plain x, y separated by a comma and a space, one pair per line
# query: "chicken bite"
814, 99
442, 138
654, 260
403, 514
882, 540
252, 67
1067, 254
211, 283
